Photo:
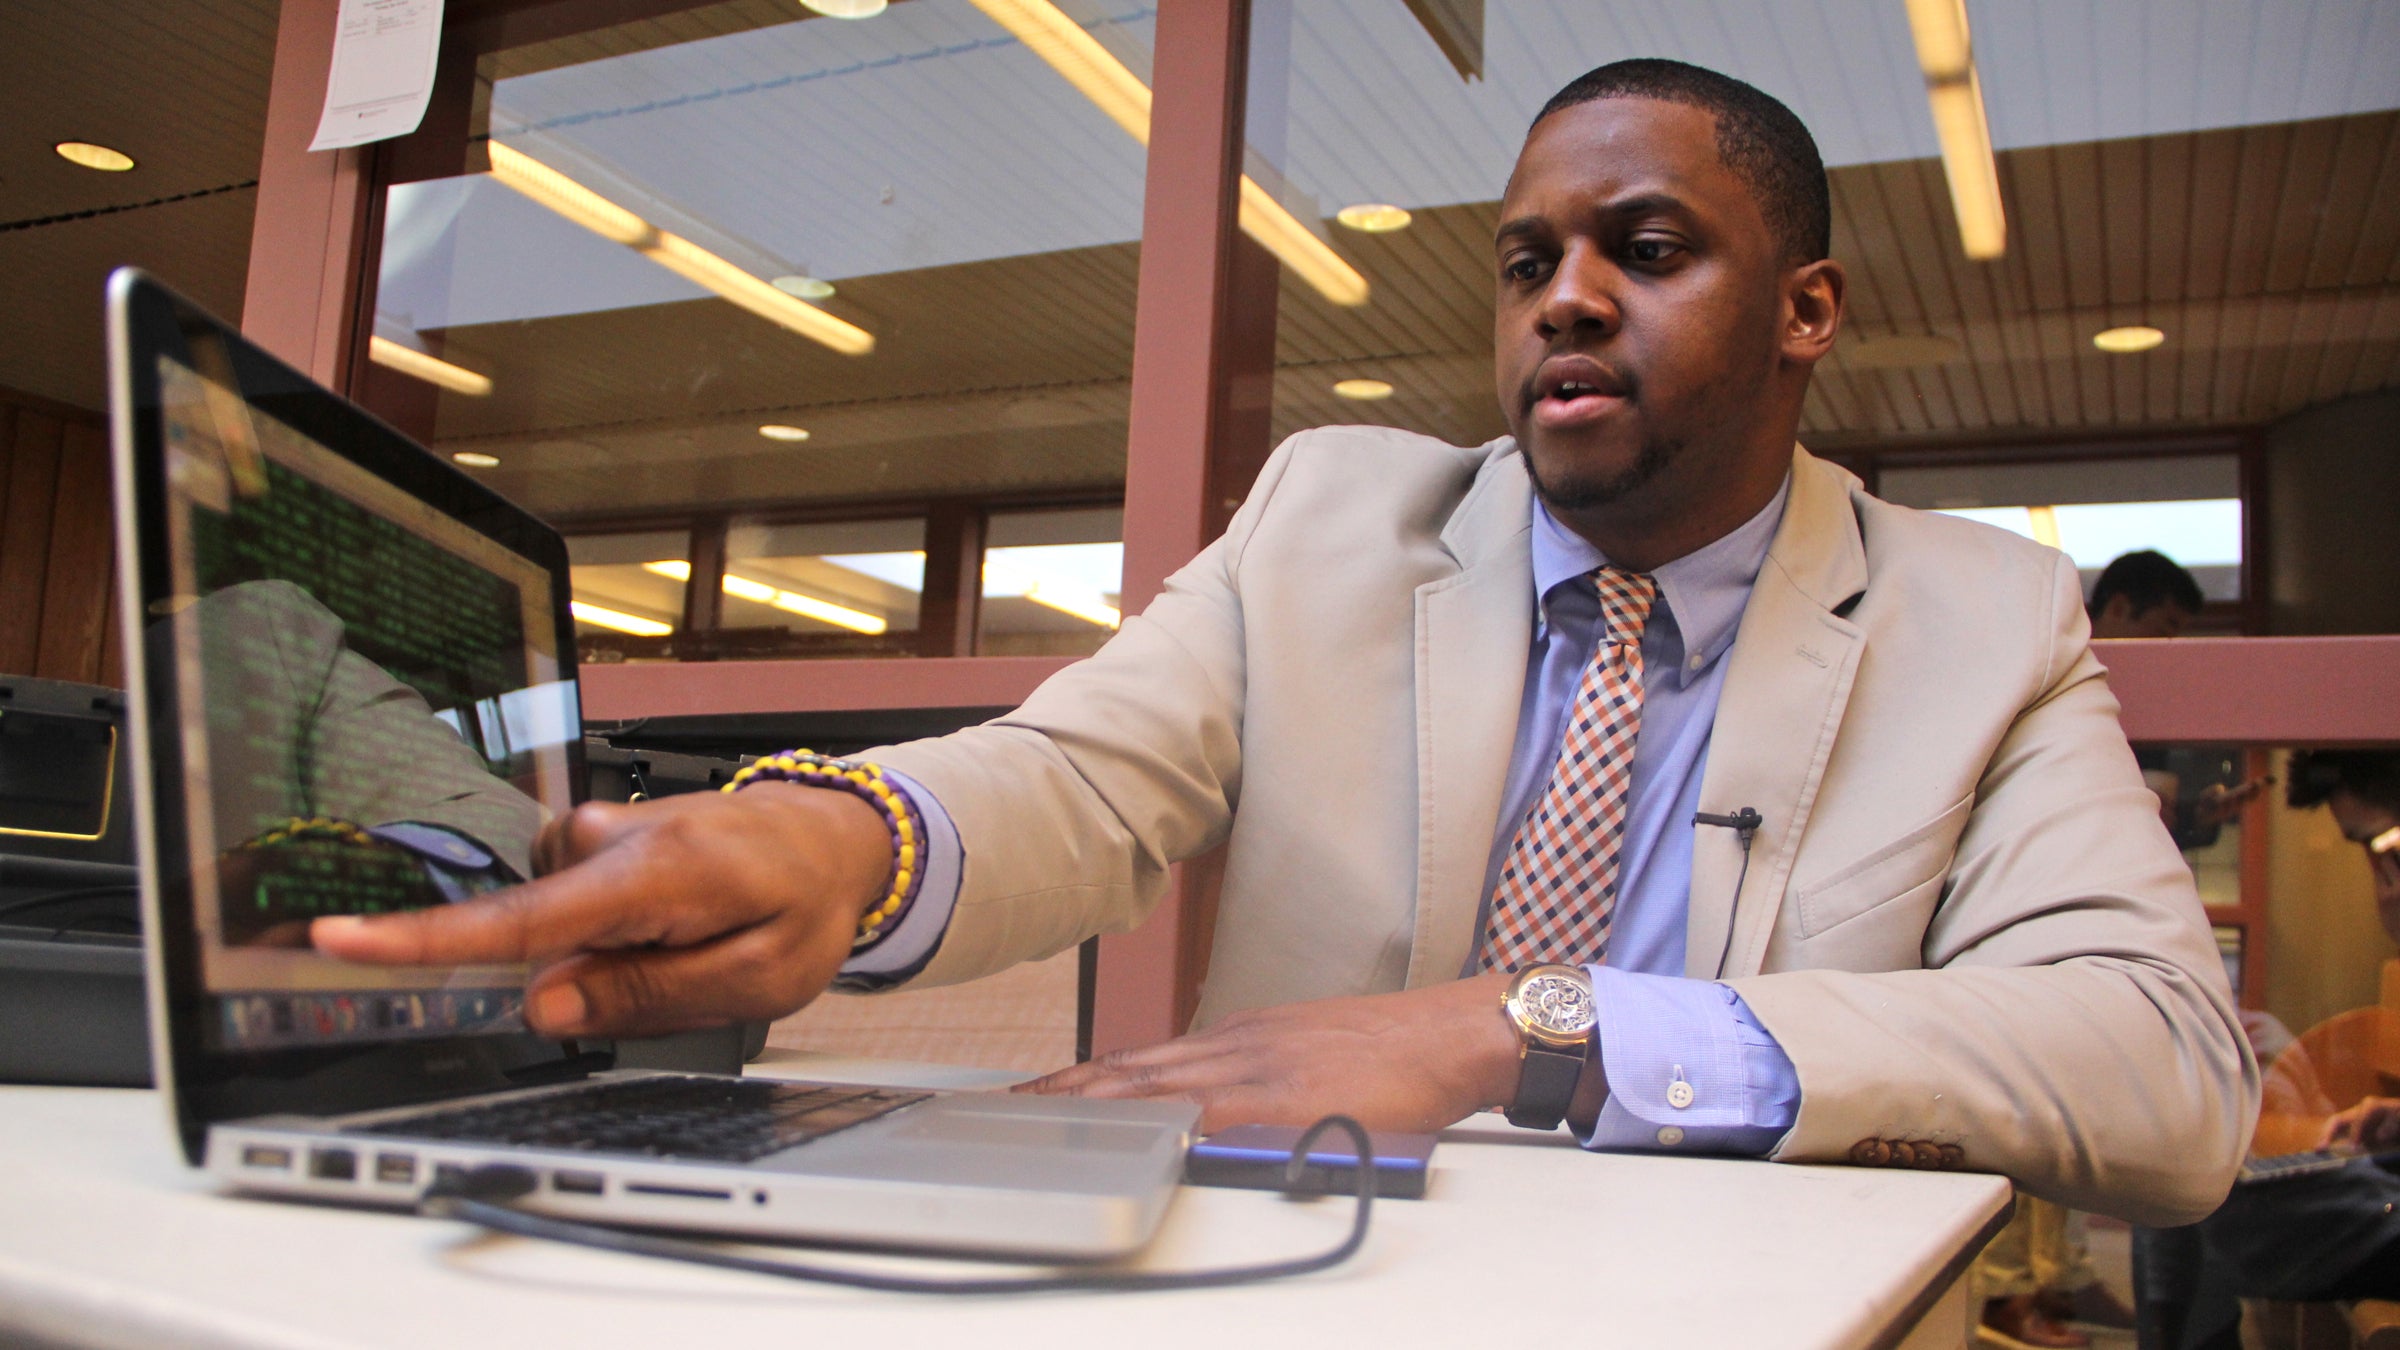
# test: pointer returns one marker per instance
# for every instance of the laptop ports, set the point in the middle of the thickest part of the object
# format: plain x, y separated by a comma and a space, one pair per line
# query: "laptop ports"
578, 1183
333, 1164
396, 1169
268, 1157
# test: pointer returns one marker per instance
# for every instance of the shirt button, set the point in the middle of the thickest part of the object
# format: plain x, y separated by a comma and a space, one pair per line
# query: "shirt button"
1698, 660
1679, 1094
1670, 1135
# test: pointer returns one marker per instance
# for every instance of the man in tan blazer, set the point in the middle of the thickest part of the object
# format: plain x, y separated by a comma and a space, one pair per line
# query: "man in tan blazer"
1954, 915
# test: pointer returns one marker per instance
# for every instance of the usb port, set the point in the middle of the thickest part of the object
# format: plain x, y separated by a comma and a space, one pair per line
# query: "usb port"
333, 1164
262, 1155
578, 1183
398, 1169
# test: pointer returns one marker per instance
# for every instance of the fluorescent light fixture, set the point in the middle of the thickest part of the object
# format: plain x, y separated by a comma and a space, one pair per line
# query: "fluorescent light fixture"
431, 369
1947, 56
1374, 217
475, 459
807, 288
777, 431
1083, 605
758, 592
672, 251
2129, 339
622, 622
92, 156
1365, 391
848, 9
1103, 79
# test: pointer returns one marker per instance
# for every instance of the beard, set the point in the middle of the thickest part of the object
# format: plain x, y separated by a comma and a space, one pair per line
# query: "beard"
1572, 493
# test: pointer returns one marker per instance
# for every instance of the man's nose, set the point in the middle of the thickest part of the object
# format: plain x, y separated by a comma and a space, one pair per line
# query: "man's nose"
1582, 293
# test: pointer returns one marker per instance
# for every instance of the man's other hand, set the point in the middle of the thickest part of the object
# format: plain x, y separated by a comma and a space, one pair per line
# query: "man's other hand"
2371, 1126
1413, 1061
661, 916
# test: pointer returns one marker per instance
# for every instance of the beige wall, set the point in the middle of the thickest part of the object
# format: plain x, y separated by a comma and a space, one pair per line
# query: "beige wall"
2325, 950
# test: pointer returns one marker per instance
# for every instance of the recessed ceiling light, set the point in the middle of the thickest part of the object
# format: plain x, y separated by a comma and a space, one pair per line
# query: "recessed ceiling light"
1362, 390
2133, 338
93, 156
1374, 217
475, 459
847, 9
806, 288
777, 431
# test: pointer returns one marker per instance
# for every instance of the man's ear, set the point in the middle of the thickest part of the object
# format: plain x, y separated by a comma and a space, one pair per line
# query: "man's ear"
1812, 310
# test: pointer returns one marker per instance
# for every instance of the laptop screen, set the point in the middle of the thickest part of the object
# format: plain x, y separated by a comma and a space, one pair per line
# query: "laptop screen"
371, 716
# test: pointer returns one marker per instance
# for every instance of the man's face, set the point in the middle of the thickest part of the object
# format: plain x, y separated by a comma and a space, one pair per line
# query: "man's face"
1638, 310
2116, 619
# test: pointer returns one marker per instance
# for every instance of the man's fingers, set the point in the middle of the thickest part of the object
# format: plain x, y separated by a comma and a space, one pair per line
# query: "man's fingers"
753, 975
1142, 1063
613, 900
1182, 1067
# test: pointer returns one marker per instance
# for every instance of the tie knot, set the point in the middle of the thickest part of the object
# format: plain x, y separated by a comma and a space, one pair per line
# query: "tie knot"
1625, 599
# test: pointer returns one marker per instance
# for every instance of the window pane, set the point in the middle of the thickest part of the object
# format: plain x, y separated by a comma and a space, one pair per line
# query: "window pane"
628, 593
1050, 582
844, 589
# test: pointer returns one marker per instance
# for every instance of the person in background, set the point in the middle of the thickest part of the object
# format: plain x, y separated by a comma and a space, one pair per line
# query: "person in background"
2037, 1276
2323, 1234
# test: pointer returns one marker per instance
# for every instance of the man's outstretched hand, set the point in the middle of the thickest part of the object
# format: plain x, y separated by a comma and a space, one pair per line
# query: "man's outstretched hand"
1413, 1061
662, 916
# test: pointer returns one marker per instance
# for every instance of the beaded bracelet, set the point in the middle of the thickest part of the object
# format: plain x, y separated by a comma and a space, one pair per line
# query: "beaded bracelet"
865, 781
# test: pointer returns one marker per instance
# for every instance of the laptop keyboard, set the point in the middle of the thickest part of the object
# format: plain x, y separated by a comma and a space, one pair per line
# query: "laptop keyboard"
709, 1119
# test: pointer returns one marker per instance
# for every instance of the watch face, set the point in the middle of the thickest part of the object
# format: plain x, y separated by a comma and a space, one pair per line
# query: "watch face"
1559, 1005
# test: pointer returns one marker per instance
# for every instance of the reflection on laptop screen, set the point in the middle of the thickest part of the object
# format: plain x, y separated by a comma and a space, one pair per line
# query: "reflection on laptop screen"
373, 720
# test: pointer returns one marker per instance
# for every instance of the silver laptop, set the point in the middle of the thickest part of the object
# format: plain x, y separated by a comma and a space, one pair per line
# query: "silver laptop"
352, 675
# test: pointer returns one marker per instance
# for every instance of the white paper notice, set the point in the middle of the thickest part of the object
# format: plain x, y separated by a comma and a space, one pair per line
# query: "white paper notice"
383, 54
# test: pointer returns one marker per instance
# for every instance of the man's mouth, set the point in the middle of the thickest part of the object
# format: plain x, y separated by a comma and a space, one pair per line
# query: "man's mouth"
1574, 391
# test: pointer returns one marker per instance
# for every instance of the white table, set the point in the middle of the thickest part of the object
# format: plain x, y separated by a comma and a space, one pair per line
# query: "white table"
107, 1239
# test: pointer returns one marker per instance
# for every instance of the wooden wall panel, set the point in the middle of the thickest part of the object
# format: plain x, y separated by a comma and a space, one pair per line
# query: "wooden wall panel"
57, 562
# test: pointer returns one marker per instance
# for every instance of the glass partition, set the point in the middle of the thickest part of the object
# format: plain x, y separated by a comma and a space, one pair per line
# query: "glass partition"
749, 261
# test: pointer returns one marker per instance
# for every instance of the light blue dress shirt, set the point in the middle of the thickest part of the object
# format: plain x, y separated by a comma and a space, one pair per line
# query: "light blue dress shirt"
1655, 1027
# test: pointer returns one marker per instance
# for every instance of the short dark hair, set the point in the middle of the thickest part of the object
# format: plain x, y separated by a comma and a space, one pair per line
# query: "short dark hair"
2149, 579
2372, 776
1759, 139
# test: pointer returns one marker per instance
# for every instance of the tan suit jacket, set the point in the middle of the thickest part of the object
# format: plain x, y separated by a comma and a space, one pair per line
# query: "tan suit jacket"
1962, 918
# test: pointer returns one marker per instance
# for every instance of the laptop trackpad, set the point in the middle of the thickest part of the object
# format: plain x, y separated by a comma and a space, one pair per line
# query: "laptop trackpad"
1018, 1131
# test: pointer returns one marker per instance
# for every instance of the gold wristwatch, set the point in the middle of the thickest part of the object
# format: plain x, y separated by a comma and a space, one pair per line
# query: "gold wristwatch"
1551, 1008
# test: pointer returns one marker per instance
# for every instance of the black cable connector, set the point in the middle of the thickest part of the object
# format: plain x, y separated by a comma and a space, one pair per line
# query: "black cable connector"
482, 1196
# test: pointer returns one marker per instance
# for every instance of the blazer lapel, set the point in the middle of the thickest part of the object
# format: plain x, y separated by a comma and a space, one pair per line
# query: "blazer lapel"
1473, 632
1793, 662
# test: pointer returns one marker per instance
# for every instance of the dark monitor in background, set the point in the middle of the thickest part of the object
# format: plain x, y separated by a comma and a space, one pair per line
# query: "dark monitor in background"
66, 828
70, 931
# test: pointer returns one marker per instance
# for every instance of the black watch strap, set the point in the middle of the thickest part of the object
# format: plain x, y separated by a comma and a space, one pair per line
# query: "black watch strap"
1545, 1087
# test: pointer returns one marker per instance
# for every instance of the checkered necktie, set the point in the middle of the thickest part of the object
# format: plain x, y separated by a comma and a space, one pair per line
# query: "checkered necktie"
1558, 890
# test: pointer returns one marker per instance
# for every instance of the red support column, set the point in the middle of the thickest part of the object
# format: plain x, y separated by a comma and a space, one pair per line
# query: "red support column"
307, 245
1180, 364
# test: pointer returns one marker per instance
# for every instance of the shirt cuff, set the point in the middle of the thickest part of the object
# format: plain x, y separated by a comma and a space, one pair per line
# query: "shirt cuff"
913, 940
1688, 1068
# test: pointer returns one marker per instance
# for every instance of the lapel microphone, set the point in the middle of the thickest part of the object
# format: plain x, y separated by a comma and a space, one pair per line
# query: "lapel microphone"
1746, 821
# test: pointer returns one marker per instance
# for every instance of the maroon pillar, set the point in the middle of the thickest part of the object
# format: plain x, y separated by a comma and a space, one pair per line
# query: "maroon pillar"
1144, 984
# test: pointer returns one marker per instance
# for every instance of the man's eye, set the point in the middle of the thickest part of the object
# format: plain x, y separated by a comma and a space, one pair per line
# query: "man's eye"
1649, 250
1522, 269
